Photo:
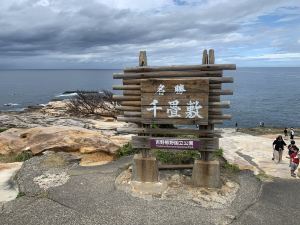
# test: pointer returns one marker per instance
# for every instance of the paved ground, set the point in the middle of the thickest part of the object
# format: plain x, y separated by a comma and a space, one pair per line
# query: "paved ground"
278, 204
254, 152
90, 197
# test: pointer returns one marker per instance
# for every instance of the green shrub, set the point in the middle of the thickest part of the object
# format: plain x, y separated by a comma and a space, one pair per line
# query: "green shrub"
2, 129
126, 150
21, 157
218, 153
20, 194
182, 157
233, 168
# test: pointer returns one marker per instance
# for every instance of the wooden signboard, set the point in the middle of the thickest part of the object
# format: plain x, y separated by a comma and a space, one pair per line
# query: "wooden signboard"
175, 101
162, 100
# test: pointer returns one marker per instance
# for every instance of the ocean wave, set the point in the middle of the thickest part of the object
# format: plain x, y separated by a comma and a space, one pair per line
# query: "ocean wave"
11, 104
66, 95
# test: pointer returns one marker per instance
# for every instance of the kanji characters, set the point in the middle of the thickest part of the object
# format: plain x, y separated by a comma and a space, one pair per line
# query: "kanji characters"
179, 89
173, 109
192, 109
154, 108
161, 89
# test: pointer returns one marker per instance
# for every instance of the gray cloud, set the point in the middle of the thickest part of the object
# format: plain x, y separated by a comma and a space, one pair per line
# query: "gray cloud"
90, 33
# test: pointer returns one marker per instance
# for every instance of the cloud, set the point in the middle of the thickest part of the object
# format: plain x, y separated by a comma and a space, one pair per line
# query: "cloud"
103, 34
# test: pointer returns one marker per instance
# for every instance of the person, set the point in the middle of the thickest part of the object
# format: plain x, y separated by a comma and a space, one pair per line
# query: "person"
285, 132
294, 163
292, 133
278, 147
292, 149
236, 126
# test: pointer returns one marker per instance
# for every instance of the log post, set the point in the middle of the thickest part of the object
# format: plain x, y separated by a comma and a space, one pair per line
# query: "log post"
143, 58
205, 57
211, 56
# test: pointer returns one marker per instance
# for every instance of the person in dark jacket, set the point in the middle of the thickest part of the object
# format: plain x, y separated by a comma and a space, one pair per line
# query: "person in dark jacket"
285, 132
278, 147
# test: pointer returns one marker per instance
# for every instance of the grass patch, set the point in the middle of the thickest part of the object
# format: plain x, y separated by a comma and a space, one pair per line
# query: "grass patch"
232, 168
218, 153
182, 157
262, 176
21, 157
126, 150
2, 129
20, 194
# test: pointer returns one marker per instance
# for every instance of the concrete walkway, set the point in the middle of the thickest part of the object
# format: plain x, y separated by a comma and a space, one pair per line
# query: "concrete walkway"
253, 152
90, 197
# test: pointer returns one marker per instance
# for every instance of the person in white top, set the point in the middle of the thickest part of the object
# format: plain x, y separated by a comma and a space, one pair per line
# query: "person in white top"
292, 133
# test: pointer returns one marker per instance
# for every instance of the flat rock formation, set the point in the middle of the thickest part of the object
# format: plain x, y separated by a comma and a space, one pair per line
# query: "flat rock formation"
59, 138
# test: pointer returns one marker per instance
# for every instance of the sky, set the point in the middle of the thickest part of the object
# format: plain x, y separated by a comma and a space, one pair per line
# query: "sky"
107, 34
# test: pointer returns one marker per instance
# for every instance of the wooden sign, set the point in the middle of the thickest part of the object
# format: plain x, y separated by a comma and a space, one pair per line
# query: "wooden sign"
175, 101
167, 143
174, 95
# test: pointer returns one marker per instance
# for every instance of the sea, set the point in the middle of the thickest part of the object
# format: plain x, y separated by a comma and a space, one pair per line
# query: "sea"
264, 94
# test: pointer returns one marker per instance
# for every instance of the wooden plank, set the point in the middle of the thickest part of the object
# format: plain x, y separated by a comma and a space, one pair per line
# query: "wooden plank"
137, 112
222, 104
220, 92
167, 131
126, 98
126, 87
133, 81
205, 67
162, 121
215, 86
163, 100
131, 103
138, 81
133, 114
128, 108
190, 85
178, 120
212, 92
175, 166
132, 92
167, 74
213, 80
144, 142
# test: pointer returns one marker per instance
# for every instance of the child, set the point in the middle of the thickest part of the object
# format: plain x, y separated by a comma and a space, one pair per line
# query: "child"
295, 162
293, 148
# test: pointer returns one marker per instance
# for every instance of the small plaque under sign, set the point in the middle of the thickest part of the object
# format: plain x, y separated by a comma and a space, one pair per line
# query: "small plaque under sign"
174, 144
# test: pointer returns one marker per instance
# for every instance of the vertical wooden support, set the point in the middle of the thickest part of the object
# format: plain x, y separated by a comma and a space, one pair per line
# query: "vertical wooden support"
143, 62
211, 56
205, 57
143, 58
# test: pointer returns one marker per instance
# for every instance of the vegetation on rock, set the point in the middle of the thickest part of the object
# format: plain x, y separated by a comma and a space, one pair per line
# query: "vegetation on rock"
181, 157
97, 103
20, 157
126, 150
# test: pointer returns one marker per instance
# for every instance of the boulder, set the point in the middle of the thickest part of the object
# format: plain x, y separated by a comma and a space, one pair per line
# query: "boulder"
59, 138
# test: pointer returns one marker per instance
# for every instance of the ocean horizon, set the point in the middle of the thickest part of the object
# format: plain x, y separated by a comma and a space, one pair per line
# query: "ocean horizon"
261, 94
